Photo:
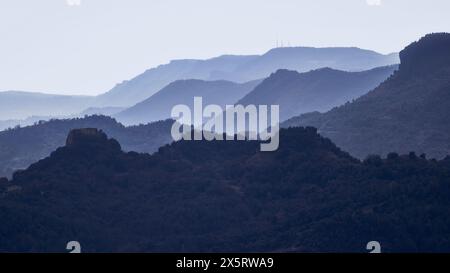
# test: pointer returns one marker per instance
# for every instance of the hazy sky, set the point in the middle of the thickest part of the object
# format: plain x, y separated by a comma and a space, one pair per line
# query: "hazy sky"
53, 47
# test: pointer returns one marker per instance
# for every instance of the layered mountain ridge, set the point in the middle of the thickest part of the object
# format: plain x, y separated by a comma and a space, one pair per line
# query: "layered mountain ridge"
316, 90
408, 112
242, 69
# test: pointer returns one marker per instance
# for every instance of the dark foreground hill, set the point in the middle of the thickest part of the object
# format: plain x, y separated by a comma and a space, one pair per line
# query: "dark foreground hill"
20, 147
225, 196
408, 112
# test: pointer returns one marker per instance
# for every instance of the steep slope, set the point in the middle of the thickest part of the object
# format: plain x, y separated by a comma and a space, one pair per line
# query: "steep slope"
317, 90
242, 69
21, 105
225, 197
21, 147
408, 112
159, 106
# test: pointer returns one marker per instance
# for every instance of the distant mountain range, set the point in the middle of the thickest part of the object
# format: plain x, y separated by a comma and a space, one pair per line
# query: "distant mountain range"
25, 107
143, 86
242, 69
303, 59
32, 120
159, 106
104, 111
317, 90
15, 123
15, 105
408, 112
21, 147
225, 196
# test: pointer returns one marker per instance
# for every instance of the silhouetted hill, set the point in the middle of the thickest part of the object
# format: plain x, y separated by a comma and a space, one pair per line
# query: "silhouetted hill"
159, 106
242, 69
317, 90
21, 147
408, 112
225, 196
21, 105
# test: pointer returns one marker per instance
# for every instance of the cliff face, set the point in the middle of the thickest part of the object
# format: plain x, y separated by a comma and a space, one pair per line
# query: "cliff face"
89, 138
85, 135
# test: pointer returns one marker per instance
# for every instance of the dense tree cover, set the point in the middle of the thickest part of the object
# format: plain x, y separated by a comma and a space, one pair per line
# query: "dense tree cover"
226, 196
408, 112
21, 147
